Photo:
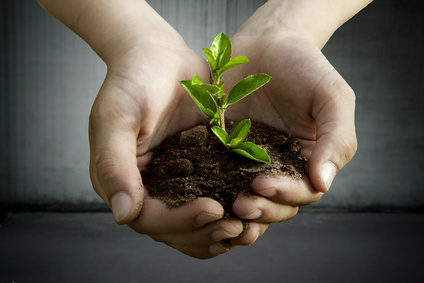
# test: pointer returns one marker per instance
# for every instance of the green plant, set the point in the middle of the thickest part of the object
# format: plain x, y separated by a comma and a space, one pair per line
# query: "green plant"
213, 100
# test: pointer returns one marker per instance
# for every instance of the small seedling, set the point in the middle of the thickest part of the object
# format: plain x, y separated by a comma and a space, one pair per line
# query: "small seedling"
213, 101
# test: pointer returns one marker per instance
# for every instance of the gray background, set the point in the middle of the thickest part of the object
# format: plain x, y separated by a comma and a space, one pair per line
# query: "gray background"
49, 78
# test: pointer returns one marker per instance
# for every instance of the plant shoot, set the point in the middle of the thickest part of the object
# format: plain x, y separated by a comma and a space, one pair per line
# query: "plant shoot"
213, 100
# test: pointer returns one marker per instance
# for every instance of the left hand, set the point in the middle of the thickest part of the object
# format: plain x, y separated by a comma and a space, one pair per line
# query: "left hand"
307, 98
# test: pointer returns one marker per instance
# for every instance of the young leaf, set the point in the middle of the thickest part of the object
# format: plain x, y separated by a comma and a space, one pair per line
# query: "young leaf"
202, 98
236, 61
196, 81
210, 57
223, 59
252, 151
247, 86
215, 120
222, 92
234, 143
241, 130
221, 50
221, 134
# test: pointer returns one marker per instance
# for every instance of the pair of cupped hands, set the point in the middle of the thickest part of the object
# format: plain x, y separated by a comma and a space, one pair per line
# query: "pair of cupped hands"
141, 103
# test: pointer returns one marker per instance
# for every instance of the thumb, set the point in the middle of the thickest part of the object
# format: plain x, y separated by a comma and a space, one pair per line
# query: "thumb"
336, 142
113, 166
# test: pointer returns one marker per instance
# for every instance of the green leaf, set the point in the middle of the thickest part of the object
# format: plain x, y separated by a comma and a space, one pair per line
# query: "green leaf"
221, 50
196, 81
221, 134
241, 130
236, 61
246, 86
223, 58
252, 151
202, 98
234, 143
215, 120
222, 92
211, 59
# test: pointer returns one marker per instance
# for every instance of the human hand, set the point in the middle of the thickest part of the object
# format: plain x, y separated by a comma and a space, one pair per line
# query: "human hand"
306, 98
141, 103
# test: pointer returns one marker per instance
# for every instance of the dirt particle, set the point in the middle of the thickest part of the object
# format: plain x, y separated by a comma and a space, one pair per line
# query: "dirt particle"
196, 136
180, 167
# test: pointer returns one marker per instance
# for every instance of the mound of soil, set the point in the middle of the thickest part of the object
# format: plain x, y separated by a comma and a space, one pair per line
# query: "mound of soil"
194, 163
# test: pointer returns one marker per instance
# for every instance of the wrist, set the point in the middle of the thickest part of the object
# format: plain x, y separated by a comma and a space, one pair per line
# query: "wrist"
110, 27
315, 21
138, 27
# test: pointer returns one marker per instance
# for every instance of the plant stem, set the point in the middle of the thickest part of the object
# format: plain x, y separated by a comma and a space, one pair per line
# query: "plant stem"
217, 81
221, 117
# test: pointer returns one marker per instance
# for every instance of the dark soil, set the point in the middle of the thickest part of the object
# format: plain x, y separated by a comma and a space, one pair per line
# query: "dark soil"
194, 163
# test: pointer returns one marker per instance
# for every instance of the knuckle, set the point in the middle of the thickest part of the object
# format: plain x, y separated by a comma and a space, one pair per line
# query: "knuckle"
347, 150
345, 90
315, 197
106, 168
295, 211
351, 145
289, 214
284, 194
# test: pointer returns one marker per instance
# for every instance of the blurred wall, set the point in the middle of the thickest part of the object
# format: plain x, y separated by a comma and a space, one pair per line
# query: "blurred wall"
49, 78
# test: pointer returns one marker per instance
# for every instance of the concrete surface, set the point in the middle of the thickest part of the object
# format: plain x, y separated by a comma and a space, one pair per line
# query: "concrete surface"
312, 247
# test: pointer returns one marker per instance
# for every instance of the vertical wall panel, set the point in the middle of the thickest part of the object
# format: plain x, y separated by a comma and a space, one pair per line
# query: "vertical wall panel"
53, 77
199, 22
7, 56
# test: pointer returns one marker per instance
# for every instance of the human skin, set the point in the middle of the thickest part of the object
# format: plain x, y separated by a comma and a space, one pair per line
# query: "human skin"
306, 97
141, 103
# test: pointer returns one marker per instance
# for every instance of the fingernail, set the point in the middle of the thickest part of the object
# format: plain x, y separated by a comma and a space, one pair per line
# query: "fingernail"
121, 206
256, 237
218, 248
271, 192
220, 235
206, 218
255, 215
328, 173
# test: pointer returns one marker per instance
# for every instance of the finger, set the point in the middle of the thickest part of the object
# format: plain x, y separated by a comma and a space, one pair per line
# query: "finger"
144, 160
250, 235
115, 177
206, 252
336, 139
113, 163
286, 190
263, 210
156, 218
207, 235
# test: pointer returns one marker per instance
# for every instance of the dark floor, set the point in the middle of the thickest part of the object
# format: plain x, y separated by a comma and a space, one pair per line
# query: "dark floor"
312, 247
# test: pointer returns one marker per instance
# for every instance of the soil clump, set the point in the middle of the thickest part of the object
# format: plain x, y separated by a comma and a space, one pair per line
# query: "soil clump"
194, 163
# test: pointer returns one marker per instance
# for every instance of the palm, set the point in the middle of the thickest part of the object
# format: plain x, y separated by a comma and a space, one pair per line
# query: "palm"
156, 97
141, 103
286, 102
